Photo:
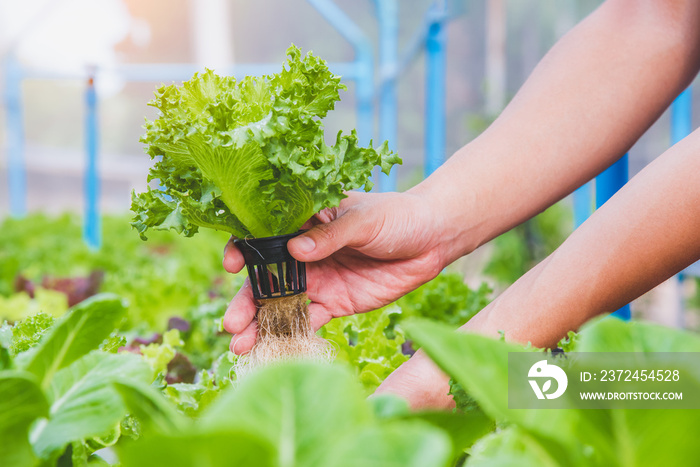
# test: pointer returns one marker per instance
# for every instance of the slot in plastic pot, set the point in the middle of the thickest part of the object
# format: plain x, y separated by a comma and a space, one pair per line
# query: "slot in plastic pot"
267, 254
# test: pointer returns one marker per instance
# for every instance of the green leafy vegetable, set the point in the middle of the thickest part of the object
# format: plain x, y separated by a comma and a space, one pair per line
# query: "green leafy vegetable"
206, 341
511, 446
397, 444
463, 401
149, 405
569, 343
21, 402
161, 278
27, 333
80, 331
445, 299
362, 342
278, 405
113, 343
464, 429
192, 398
159, 355
64, 405
83, 400
249, 157
20, 305
200, 448
291, 415
5, 344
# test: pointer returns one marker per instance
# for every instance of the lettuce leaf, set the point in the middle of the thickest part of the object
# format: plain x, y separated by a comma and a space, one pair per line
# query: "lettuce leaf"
28, 332
361, 340
249, 157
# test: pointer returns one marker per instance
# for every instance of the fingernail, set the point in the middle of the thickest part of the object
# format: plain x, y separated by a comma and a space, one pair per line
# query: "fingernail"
305, 244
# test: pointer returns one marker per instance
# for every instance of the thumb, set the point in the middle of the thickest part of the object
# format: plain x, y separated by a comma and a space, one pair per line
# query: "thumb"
325, 239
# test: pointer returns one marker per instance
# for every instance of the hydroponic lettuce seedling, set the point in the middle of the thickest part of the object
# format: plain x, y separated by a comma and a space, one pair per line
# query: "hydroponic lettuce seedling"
249, 157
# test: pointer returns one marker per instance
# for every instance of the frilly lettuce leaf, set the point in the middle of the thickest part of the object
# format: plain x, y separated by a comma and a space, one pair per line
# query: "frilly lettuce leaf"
361, 340
249, 157
28, 332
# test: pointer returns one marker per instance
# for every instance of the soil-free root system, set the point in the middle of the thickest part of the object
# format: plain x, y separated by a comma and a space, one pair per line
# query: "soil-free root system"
284, 333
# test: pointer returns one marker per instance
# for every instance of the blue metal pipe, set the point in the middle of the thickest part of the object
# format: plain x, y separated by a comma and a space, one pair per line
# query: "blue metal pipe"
681, 116
436, 43
388, 13
610, 181
16, 172
624, 313
91, 227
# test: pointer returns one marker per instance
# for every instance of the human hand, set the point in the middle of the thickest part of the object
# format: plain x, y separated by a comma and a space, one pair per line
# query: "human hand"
360, 256
421, 383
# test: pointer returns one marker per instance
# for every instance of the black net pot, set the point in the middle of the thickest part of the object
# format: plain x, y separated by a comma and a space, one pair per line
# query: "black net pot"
266, 255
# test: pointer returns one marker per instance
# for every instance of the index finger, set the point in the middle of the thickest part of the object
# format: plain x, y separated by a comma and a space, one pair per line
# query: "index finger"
233, 258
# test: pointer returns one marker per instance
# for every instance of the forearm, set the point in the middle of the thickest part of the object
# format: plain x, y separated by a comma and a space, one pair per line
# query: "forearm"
646, 233
585, 104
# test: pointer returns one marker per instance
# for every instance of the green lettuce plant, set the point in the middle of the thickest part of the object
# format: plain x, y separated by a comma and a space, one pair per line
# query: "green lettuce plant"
57, 391
249, 156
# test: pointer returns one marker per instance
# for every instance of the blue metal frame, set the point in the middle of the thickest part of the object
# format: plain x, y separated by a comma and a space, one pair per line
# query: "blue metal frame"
610, 181
436, 48
681, 116
92, 231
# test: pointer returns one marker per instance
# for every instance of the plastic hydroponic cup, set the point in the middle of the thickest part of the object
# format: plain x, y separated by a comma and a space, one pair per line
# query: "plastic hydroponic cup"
272, 270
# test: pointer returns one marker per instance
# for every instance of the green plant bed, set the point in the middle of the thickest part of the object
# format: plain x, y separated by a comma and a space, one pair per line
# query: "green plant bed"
107, 380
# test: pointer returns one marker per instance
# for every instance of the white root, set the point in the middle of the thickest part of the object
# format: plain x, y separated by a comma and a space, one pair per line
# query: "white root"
284, 333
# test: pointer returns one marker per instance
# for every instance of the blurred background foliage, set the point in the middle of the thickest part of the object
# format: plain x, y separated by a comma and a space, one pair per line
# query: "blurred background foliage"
70, 36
